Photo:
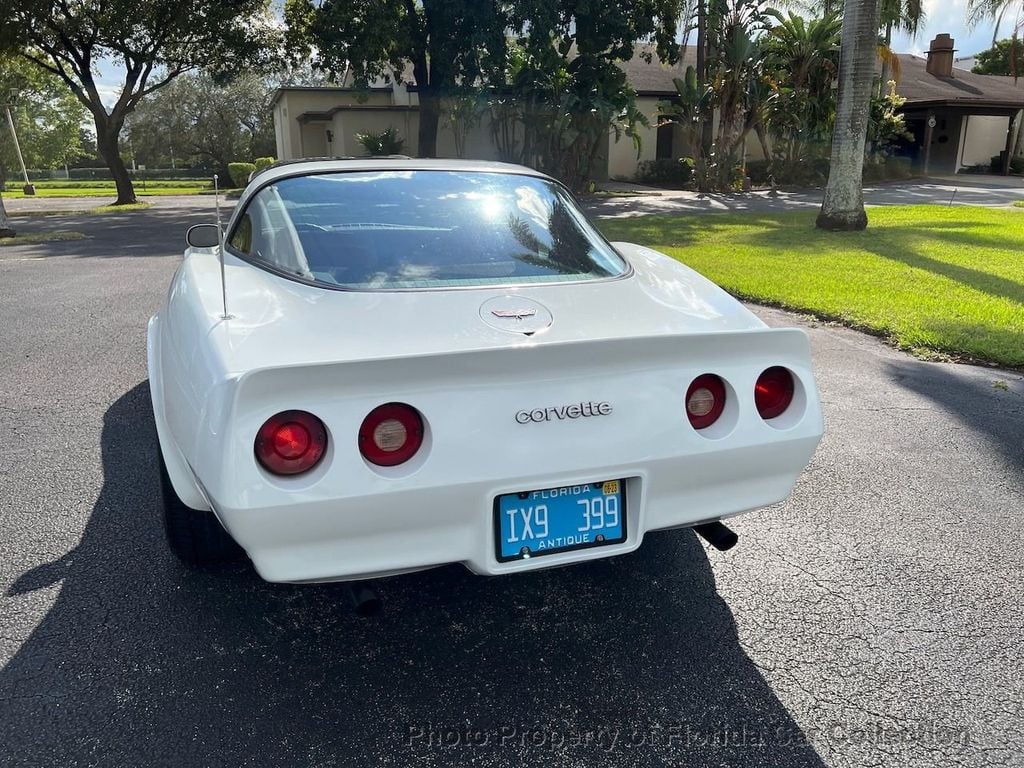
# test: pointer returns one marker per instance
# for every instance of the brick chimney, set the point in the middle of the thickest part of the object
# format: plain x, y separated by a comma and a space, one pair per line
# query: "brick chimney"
940, 56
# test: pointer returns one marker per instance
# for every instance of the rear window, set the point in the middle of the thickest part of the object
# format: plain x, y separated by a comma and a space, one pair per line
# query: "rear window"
422, 229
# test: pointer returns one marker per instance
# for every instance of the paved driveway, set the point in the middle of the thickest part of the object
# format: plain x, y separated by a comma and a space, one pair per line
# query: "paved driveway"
872, 619
940, 190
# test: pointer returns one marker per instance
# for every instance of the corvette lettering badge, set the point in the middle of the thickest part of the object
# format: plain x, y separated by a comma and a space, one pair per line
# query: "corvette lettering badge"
582, 410
518, 314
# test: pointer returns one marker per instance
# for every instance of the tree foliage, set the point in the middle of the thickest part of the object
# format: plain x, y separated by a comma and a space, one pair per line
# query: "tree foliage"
802, 64
735, 87
154, 41
1006, 57
441, 43
556, 116
562, 92
197, 121
46, 116
552, 95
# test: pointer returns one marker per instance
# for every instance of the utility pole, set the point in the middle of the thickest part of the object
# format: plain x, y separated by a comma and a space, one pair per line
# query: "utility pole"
28, 189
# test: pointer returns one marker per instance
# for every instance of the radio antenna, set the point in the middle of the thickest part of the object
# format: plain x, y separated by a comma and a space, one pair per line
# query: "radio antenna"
220, 248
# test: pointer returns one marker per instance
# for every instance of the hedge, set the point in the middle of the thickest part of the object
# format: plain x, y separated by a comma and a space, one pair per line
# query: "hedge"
240, 172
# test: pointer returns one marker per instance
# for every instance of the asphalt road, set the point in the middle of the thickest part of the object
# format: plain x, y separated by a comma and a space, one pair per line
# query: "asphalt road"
994, 191
872, 619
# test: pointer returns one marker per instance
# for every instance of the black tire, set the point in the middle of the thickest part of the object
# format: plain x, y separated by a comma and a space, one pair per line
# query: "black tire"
195, 536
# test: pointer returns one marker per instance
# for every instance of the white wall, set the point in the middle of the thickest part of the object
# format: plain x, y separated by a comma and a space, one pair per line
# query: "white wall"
295, 139
622, 155
357, 119
984, 137
379, 111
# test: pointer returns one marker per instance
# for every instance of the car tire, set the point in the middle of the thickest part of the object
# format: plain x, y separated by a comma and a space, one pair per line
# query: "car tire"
195, 536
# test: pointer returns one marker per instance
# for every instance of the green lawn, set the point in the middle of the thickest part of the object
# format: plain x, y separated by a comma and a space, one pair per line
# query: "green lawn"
62, 188
934, 280
40, 237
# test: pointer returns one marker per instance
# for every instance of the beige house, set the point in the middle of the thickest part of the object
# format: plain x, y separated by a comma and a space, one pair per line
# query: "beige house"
323, 122
959, 119
972, 115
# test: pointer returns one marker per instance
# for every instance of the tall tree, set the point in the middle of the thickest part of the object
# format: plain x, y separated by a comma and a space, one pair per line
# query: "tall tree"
843, 206
734, 89
1006, 57
899, 15
446, 42
198, 120
575, 92
6, 230
802, 59
154, 41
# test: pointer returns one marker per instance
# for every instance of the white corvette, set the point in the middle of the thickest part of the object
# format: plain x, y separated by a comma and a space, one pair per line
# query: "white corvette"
394, 364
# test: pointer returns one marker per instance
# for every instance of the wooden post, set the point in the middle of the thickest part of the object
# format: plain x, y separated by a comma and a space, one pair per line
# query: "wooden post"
929, 126
1009, 147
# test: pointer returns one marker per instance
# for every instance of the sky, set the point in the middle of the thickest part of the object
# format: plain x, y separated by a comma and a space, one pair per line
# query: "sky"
949, 16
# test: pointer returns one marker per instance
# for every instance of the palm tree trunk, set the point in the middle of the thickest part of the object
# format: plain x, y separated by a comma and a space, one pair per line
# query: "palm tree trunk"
762, 137
5, 222
843, 206
703, 148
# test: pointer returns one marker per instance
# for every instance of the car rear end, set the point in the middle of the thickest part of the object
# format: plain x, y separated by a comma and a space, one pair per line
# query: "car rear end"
508, 459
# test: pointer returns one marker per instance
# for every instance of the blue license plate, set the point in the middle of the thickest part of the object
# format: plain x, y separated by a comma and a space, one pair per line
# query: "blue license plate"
535, 523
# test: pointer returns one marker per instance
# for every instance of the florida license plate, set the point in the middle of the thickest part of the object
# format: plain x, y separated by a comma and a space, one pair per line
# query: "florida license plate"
535, 523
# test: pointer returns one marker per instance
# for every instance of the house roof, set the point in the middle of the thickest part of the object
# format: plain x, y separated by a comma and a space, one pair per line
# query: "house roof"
280, 90
963, 89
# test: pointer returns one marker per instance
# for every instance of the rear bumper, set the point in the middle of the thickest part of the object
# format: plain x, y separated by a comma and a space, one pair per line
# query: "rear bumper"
354, 537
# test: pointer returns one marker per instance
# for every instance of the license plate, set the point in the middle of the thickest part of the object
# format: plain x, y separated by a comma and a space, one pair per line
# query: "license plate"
534, 523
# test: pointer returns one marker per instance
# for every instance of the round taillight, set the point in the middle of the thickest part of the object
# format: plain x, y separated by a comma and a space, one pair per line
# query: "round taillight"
773, 392
705, 400
291, 442
391, 434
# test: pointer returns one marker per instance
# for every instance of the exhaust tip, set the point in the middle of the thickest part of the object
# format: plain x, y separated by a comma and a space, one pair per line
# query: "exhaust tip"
718, 535
365, 601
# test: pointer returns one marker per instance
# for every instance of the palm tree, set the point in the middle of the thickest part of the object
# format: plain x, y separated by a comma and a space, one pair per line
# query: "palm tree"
897, 15
843, 206
802, 61
996, 10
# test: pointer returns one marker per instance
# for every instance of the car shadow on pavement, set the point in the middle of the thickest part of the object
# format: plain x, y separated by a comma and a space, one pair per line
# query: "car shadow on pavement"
155, 232
990, 406
140, 662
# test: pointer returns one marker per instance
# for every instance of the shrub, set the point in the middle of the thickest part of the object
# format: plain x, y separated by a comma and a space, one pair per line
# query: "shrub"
387, 142
1016, 163
262, 163
899, 167
676, 172
758, 171
239, 173
805, 172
